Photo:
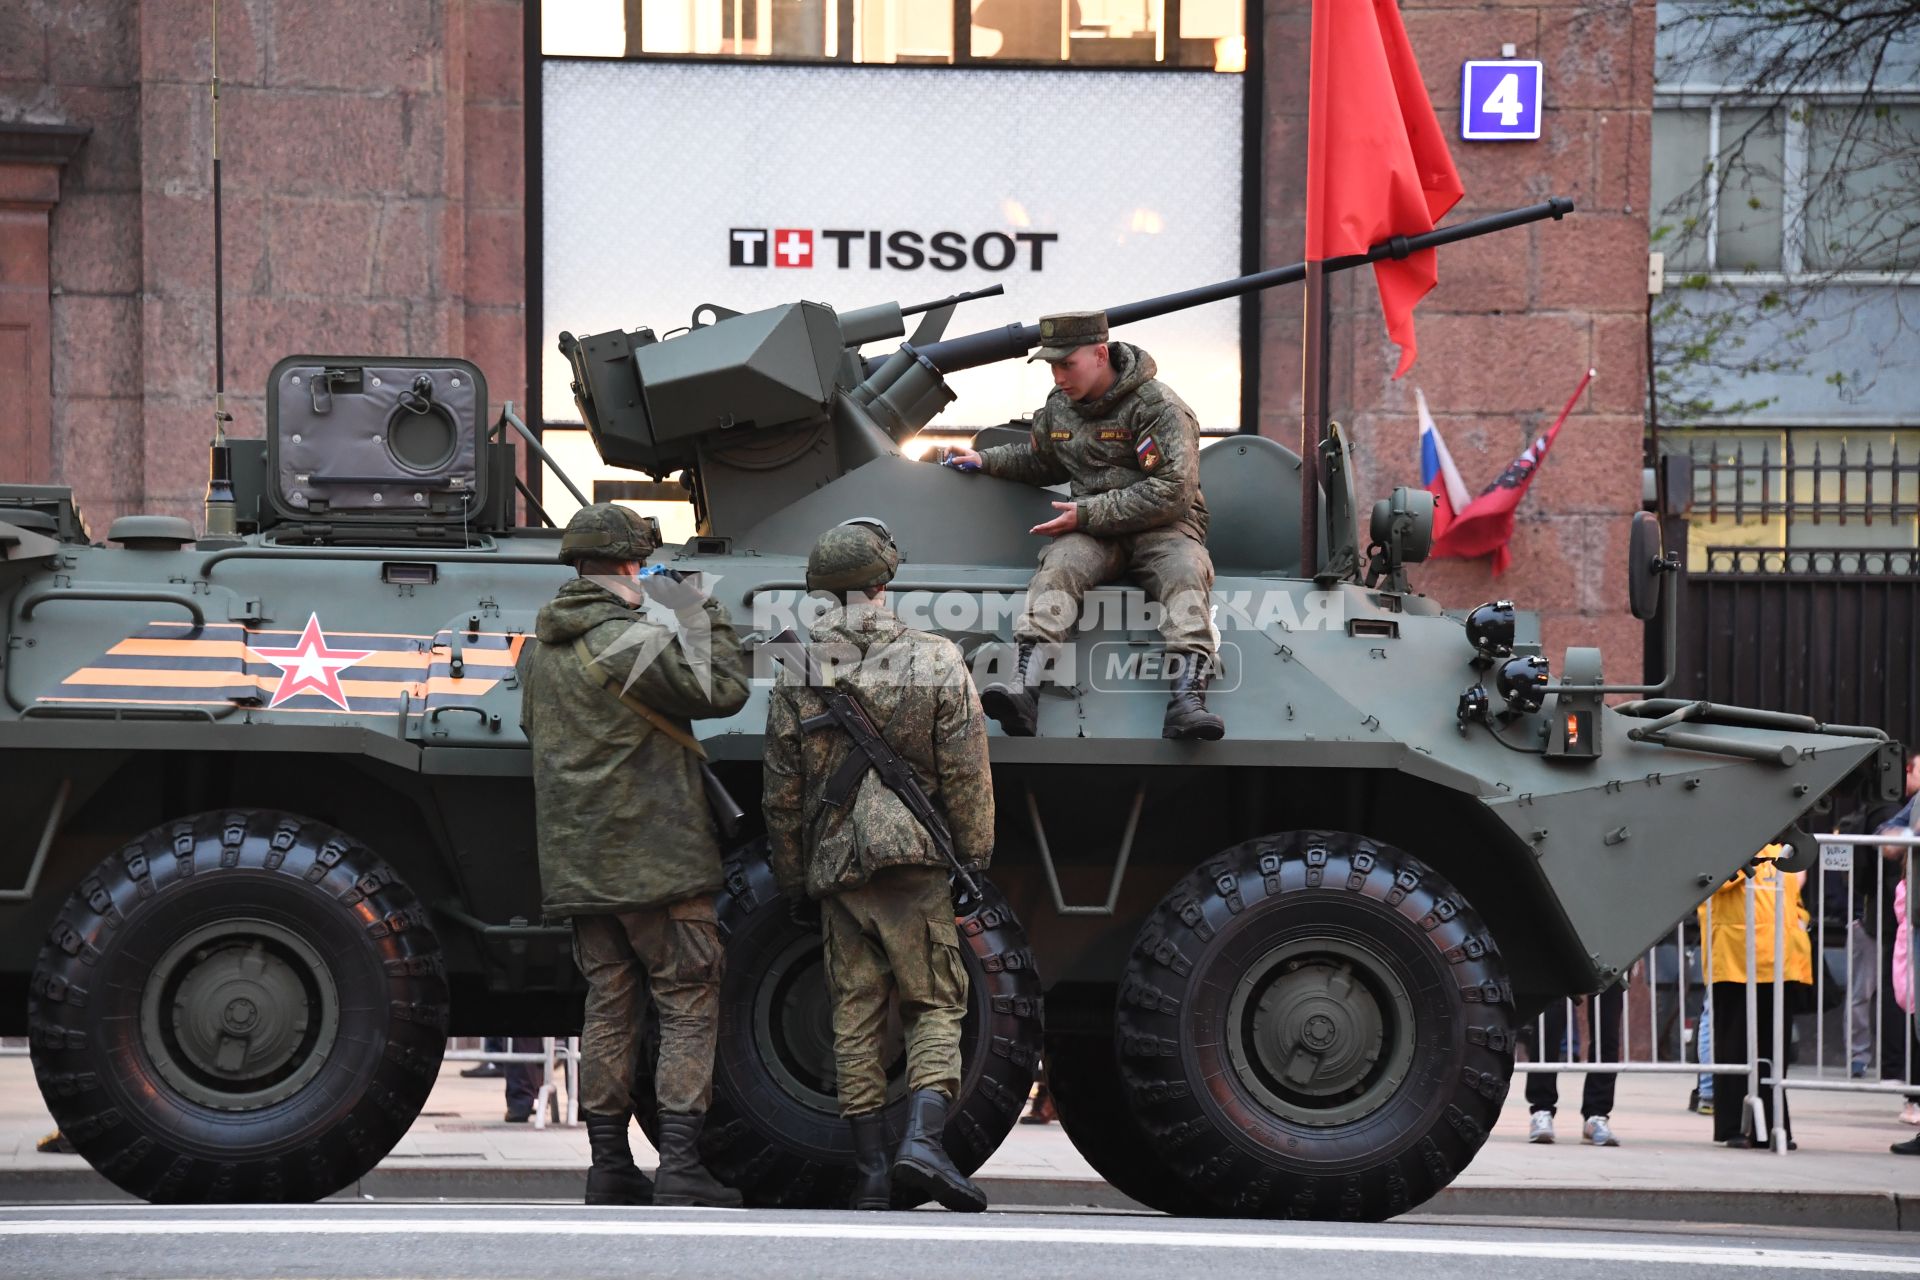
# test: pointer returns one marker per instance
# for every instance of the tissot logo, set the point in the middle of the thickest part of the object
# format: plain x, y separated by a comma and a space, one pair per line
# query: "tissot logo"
854, 250
747, 247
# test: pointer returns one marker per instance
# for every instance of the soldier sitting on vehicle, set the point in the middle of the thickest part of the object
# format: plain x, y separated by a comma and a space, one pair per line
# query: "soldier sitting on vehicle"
876, 869
1130, 448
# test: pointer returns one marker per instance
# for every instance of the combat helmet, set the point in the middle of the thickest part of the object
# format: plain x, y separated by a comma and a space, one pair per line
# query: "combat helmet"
854, 555
607, 531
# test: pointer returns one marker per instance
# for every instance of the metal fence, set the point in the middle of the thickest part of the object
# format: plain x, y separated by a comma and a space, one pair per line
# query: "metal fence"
1761, 1064
1837, 484
561, 1060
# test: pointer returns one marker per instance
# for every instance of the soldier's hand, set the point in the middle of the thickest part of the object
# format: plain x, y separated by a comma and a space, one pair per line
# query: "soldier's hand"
675, 590
1066, 522
961, 460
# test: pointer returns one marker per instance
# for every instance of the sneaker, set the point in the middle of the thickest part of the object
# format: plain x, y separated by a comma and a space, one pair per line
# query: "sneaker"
1911, 1147
1857, 1069
1595, 1130
1540, 1128
1910, 1114
1706, 1106
485, 1071
519, 1115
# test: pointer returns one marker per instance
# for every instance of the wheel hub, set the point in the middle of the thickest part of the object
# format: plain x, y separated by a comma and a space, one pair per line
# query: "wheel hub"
239, 1014
793, 1026
1321, 1031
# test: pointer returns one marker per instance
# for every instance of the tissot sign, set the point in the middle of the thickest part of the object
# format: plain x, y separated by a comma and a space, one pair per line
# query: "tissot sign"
667, 186
844, 249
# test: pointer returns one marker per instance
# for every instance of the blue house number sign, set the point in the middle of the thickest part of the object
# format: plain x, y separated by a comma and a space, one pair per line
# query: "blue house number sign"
1500, 101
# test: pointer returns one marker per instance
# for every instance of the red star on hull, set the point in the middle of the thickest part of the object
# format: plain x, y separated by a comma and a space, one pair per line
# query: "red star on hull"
310, 666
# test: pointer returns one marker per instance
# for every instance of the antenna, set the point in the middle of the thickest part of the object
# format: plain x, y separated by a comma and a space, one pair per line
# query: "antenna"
220, 514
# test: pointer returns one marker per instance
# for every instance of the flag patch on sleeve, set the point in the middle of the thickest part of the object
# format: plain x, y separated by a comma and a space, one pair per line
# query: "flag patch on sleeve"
1148, 451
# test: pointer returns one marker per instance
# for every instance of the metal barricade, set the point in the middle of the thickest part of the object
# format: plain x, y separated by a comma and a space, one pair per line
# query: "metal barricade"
561, 1058
1763, 1066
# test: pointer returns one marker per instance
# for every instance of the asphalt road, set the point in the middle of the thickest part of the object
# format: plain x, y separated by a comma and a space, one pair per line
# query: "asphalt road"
576, 1243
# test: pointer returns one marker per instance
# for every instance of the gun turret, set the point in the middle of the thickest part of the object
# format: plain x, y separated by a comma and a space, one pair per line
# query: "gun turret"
762, 408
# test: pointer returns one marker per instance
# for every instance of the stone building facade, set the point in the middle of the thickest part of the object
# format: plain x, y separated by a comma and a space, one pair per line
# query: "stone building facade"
374, 201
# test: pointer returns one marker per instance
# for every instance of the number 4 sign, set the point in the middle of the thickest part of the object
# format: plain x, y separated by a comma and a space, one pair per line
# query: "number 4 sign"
1500, 101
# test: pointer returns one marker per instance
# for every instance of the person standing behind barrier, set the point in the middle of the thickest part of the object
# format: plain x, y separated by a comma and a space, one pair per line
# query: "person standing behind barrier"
1724, 925
1903, 985
1876, 869
1604, 1014
1899, 1047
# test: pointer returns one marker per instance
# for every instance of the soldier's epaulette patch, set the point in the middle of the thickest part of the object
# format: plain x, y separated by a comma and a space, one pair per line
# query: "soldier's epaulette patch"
1148, 451
1115, 433
1059, 433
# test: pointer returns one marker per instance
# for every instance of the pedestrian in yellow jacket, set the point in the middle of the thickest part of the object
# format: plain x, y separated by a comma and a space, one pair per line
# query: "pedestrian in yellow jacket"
1723, 927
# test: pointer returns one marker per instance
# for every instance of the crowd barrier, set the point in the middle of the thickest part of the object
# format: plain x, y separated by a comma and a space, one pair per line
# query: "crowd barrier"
560, 1057
1676, 967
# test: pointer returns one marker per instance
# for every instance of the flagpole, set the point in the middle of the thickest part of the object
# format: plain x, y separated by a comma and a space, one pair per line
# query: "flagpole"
1316, 376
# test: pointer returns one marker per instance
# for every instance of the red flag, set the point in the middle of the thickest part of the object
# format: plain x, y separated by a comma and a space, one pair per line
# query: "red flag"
1377, 163
1486, 526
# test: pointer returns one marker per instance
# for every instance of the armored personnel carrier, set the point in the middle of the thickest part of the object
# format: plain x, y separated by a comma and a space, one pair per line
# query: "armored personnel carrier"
270, 838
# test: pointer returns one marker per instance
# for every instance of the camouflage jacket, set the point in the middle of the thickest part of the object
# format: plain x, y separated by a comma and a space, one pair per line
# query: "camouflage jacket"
916, 688
622, 817
1132, 456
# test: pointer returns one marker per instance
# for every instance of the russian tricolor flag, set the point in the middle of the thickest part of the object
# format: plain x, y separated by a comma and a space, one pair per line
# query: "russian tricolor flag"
1437, 472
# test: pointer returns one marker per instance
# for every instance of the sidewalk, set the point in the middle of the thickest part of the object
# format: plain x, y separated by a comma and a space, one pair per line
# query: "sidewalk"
1666, 1169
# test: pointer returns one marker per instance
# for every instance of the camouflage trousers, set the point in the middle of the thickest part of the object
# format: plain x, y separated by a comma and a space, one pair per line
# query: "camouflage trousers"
675, 950
1172, 566
894, 934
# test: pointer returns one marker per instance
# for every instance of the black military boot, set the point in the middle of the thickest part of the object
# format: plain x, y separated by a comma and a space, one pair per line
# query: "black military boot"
1013, 702
681, 1179
922, 1165
613, 1178
1187, 714
871, 1190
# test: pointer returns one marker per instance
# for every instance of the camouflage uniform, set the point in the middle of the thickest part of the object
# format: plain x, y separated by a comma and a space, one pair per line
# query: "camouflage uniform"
885, 910
1132, 459
628, 847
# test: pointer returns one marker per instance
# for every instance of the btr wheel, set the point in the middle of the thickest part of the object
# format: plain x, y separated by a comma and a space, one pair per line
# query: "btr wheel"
1315, 1025
774, 1130
1083, 1075
242, 1005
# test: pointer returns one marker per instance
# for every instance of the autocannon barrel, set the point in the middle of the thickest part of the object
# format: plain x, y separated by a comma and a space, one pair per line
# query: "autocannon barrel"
988, 346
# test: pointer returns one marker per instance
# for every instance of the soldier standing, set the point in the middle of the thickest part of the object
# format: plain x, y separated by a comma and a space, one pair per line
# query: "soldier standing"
1130, 448
628, 847
885, 907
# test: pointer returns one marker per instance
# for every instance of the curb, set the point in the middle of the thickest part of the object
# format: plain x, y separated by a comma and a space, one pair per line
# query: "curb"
1849, 1210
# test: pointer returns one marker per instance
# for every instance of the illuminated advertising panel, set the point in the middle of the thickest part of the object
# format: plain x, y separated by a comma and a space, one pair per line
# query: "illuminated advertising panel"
667, 186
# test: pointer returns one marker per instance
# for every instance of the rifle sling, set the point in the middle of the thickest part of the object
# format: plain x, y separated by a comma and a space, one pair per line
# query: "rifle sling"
591, 664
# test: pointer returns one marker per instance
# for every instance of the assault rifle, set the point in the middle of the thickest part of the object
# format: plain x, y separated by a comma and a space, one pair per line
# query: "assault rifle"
870, 751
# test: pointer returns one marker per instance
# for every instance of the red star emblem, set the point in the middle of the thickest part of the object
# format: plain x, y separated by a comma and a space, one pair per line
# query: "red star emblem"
310, 666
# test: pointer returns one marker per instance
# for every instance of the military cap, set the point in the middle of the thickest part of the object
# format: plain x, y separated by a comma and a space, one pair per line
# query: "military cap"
1064, 333
857, 555
607, 531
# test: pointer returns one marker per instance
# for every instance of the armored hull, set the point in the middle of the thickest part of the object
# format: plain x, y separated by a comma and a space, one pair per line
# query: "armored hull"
271, 833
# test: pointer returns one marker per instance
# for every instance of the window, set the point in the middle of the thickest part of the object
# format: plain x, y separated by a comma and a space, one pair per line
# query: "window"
1810, 185
1120, 33
1725, 216
1863, 170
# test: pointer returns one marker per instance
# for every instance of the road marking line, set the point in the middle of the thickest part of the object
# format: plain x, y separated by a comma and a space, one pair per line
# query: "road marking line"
1572, 1251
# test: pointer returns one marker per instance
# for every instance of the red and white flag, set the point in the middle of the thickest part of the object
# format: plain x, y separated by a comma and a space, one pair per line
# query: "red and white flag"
1486, 526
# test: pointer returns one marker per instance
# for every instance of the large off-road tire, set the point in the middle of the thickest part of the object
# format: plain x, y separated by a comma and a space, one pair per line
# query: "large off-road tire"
775, 1129
242, 1005
1083, 1075
1315, 1025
